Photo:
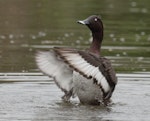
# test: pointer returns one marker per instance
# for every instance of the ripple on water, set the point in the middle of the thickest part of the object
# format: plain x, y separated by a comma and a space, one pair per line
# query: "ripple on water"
38, 98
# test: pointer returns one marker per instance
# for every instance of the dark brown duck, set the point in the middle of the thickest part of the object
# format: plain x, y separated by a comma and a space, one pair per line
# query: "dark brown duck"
84, 74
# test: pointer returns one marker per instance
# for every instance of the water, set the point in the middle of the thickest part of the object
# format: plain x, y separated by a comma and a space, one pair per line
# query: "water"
34, 97
27, 26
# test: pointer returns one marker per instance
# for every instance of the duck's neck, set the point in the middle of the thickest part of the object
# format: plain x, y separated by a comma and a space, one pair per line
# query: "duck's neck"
95, 47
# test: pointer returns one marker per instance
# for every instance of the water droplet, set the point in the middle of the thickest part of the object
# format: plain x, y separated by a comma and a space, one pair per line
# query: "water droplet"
2, 37
133, 4
23, 71
144, 10
11, 36
41, 34
111, 35
140, 58
118, 55
12, 42
148, 39
33, 36
122, 39
66, 35
137, 37
111, 6
124, 53
78, 41
81, 38
110, 49
142, 33
30, 49
143, 69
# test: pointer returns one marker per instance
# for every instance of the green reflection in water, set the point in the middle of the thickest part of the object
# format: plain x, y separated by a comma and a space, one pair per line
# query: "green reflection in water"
29, 25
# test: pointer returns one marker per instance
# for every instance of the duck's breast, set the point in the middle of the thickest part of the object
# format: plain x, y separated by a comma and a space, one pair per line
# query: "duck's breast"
86, 90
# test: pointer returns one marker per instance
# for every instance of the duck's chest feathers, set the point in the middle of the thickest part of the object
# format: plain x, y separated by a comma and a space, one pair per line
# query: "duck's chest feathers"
85, 89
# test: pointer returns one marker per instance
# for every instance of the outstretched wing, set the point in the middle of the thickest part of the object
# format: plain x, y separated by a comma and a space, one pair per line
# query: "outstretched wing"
89, 66
53, 66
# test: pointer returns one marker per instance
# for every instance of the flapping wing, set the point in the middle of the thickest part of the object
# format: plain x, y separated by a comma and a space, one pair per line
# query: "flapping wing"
53, 66
89, 66
109, 74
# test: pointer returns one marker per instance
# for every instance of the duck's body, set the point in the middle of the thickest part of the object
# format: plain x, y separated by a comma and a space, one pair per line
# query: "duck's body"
87, 92
82, 73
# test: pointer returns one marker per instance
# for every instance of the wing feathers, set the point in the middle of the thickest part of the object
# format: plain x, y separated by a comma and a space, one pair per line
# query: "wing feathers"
51, 65
81, 65
56, 64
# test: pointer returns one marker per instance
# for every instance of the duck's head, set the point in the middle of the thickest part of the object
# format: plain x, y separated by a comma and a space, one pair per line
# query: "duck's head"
93, 22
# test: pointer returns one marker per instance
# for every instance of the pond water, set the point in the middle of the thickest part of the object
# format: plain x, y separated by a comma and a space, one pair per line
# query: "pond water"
34, 97
27, 26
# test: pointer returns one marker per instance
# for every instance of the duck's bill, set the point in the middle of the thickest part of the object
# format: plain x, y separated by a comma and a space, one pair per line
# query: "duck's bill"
84, 22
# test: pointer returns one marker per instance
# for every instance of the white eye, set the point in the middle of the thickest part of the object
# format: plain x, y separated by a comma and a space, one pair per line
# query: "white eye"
95, 19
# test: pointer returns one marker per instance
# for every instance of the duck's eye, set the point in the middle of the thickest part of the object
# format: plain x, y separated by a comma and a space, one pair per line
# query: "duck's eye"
95, 19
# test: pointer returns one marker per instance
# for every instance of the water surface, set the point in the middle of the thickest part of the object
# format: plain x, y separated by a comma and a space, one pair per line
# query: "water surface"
36, 98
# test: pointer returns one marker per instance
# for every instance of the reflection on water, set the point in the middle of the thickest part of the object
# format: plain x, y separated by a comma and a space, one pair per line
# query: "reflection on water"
37, 98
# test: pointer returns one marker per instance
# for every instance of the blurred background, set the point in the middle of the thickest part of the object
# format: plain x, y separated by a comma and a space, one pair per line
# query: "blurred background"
30, 25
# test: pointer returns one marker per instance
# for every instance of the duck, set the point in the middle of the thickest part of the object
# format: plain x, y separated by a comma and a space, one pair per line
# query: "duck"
85, 74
